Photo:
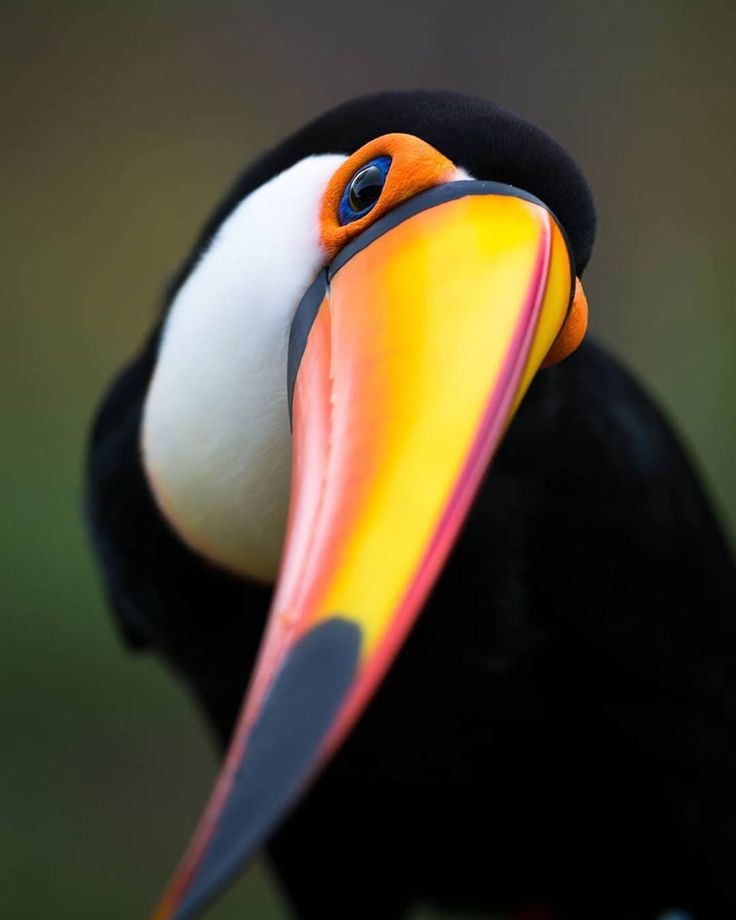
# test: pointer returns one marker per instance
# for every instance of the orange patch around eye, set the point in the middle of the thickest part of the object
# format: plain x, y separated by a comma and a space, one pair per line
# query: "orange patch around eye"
573, 329
415, 167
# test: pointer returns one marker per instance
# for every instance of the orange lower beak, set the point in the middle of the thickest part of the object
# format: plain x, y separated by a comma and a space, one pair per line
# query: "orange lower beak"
408, 359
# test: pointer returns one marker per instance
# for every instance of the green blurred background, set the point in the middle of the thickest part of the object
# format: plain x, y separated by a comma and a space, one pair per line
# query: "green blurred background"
121, 125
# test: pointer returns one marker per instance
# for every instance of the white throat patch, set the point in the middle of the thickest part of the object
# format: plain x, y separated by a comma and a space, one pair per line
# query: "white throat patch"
216, 443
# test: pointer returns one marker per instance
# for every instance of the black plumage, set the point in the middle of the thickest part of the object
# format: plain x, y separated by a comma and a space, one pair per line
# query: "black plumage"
560, 727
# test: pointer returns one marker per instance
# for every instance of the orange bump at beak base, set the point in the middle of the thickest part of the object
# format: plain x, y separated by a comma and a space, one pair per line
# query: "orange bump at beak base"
573, 330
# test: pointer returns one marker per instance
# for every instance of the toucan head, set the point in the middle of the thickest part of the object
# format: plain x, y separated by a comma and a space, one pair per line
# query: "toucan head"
339, 363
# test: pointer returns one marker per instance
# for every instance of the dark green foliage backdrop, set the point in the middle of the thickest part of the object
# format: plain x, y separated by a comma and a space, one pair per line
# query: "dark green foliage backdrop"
121, 124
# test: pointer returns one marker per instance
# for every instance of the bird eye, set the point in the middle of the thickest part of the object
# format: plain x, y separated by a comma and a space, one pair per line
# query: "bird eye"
363, 190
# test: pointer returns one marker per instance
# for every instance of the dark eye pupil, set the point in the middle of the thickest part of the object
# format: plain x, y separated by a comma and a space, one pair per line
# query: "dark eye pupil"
365, 188
363, 191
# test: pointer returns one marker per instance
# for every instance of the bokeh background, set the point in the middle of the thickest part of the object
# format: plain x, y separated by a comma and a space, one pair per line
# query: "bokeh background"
122, 123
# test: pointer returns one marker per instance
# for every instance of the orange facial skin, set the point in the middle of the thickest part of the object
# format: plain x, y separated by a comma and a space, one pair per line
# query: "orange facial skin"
415, 167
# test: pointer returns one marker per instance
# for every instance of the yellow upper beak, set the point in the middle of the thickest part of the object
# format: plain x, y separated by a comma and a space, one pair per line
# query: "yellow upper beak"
417, 357
409, 358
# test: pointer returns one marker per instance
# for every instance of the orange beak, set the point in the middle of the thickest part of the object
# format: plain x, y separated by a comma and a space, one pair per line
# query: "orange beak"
408, 358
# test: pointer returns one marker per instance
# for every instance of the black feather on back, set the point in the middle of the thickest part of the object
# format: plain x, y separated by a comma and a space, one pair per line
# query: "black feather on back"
571, 685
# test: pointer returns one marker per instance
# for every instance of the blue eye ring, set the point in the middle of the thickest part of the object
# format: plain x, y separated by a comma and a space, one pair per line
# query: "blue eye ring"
363, 191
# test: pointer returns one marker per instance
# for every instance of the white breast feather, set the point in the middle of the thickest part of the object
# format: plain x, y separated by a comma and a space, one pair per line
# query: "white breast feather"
216, 442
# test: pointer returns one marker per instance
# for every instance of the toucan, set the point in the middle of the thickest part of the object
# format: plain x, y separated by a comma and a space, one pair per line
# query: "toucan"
437, 570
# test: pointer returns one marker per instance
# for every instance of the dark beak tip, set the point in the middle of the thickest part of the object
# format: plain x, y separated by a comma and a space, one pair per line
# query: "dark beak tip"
307, 694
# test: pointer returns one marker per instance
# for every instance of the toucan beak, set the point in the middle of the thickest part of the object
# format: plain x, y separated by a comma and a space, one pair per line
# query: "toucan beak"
408, 358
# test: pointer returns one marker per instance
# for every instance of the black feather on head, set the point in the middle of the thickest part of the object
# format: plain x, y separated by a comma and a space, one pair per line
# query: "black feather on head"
487, 140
